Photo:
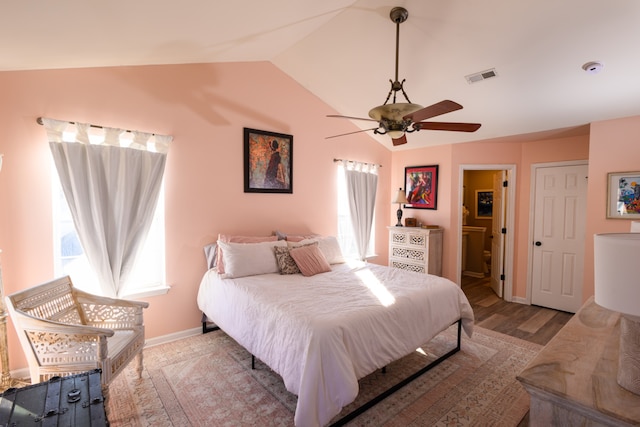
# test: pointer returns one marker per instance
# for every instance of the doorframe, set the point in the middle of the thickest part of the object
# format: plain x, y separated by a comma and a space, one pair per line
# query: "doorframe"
509, 222
532, 197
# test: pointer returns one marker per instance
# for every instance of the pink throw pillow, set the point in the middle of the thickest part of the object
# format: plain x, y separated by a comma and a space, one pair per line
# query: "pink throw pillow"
309, 260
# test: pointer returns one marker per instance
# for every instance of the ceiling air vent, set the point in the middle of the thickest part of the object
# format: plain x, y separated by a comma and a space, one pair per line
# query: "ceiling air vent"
482, 75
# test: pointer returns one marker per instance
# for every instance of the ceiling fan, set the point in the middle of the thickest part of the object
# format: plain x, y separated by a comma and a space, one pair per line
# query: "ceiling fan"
397, 119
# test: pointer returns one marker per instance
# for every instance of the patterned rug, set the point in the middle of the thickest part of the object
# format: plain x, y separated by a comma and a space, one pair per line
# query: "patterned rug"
207, 380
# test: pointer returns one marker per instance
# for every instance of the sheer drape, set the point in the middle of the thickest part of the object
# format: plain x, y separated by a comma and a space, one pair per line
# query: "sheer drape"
111, 182
362, 182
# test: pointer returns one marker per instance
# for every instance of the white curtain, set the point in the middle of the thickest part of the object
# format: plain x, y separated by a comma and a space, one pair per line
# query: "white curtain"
362, 182
111, 179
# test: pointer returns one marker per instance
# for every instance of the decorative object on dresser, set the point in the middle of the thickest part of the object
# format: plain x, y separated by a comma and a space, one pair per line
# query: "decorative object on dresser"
421, 186
617, 288
416, 249
399, 199
268, 162
65, 331
410, 222
572, 381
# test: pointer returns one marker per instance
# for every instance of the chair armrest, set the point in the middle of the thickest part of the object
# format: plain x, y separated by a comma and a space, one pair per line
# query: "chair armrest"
55, 343
111, 313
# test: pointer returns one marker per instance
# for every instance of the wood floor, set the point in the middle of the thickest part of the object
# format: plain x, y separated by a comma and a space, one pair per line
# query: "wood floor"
527, 322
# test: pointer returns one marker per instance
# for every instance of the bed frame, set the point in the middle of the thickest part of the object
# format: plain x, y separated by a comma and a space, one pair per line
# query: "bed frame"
206, 328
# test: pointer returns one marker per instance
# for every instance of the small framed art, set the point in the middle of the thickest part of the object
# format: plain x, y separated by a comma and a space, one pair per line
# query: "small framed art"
421, 186
268, 162
484, 204
623, 195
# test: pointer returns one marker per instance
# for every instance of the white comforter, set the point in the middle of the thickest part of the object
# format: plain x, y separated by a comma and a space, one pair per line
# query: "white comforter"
322, 333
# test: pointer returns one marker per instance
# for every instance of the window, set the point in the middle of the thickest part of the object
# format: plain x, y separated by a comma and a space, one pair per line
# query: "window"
148, 275
345, 229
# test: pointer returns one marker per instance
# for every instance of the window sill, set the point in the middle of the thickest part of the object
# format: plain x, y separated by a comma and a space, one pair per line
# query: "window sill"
148, 292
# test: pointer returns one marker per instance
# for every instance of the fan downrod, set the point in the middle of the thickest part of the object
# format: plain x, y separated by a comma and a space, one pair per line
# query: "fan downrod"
398, 15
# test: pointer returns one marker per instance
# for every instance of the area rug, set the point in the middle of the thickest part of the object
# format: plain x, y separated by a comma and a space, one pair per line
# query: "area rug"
207, 380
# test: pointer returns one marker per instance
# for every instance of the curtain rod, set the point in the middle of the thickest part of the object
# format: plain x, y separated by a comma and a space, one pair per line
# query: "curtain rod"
353, 161
40, 122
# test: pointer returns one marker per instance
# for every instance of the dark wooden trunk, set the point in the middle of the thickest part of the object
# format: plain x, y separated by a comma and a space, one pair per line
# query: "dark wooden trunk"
75, 400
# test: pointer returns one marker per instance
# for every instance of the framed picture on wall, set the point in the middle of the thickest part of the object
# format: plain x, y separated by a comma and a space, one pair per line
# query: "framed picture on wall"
268, 162
484, 204
623, 195
421, 187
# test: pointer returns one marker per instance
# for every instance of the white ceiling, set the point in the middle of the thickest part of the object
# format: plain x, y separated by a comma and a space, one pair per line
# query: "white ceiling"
344, 52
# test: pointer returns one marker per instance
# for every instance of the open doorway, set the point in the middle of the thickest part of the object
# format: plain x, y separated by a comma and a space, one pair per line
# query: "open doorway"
487, 215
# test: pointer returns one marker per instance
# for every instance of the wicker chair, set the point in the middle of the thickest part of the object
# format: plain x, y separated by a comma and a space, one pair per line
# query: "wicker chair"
65, 331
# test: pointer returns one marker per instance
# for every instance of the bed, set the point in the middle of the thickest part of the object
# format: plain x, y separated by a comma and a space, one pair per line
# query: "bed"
322, 332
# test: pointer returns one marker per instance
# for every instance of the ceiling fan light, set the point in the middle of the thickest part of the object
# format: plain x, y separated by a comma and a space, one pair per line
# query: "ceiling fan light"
395, 134
393, 112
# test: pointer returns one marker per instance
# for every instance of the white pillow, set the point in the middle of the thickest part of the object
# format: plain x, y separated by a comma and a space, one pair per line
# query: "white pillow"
249, 259
328, 245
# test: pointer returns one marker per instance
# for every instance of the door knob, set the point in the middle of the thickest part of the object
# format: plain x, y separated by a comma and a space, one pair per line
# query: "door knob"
538, 243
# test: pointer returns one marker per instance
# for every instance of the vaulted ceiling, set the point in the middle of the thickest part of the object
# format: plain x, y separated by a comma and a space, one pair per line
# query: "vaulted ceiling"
343, 51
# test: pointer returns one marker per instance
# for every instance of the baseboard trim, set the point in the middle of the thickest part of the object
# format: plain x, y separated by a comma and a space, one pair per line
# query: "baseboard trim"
520, 300
474, 274
172, 337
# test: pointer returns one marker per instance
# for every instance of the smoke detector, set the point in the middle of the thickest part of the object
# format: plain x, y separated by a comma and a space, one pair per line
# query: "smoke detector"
593, 67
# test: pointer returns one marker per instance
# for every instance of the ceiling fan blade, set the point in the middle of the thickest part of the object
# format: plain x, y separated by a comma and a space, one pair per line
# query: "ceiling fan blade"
349, 117
399, 141
457, 127
351, 133
437, 109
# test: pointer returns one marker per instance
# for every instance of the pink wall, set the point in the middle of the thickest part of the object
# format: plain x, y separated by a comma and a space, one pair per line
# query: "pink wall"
505, 152
442, 216
204, 107
613, 147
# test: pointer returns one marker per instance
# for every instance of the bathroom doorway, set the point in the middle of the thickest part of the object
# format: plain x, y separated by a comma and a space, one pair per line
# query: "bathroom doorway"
485, 250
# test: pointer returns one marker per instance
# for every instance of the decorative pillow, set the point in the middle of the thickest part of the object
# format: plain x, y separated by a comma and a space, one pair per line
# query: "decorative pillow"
211, 254
328, 245
237, 239
286, 264
249, 259
310, 260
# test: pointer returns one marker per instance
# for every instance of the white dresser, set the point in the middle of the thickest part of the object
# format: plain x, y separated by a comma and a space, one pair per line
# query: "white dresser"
416, 249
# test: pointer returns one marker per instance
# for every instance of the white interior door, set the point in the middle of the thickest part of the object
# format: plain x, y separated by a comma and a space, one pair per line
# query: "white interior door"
497, 238
559, 236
